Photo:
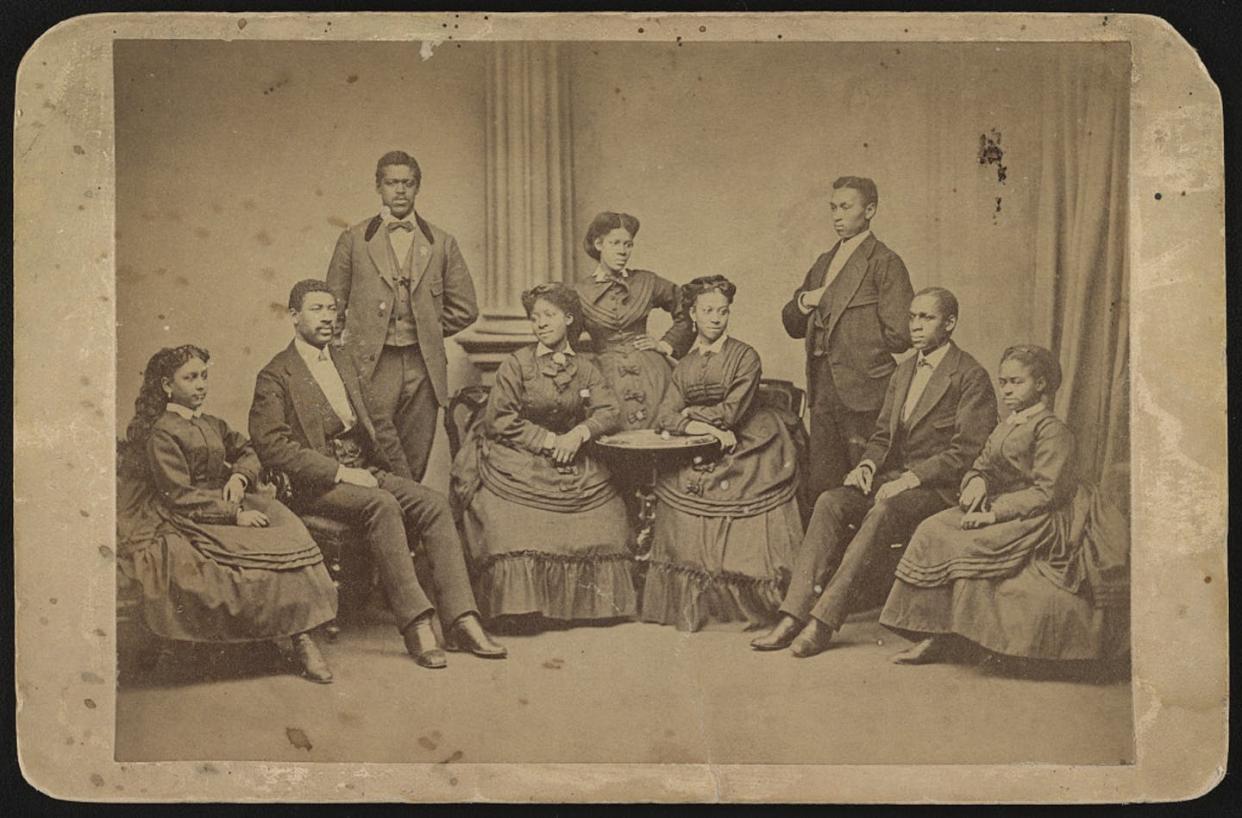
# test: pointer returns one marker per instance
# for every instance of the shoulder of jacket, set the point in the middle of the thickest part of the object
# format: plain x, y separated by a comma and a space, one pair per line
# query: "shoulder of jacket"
1049, 425
883, 253
168, 423
744, 350
968, 366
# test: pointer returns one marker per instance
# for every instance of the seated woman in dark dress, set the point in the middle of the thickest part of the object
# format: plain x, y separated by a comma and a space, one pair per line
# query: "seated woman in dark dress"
1004, 568
546, 530
215, 561
725, 528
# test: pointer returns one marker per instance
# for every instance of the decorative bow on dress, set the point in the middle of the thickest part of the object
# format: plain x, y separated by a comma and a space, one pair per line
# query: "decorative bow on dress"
560, 368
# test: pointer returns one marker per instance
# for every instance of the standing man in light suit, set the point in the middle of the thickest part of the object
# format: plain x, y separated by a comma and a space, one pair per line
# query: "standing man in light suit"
403, 287
852, 311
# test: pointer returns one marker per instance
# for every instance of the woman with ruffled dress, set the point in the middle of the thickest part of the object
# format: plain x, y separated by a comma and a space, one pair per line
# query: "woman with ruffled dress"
546, 530
1007, 569
216, 561
726, 526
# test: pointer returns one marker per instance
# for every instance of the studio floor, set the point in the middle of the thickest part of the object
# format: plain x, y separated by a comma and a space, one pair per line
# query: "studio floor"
623, 693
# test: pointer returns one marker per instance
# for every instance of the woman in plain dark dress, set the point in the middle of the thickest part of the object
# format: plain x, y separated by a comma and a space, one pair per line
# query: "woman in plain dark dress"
546, 531
726, 526
1003, 569
616, 302
216, 562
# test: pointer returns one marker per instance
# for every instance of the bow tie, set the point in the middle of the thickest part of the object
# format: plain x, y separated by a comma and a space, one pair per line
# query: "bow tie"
924, 362
403, 225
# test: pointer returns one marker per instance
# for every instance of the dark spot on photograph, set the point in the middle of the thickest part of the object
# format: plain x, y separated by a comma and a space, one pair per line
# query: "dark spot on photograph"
298, 738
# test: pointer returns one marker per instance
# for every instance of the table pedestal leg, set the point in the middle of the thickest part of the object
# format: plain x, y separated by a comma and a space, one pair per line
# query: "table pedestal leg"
645, 495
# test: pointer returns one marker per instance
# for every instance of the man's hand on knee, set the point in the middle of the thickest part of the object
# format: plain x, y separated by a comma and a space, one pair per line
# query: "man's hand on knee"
356, 477
908, 480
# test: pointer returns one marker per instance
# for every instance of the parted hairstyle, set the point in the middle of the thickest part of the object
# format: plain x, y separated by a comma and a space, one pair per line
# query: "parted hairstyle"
945, 299
862, 184
152, 400
563, 297
398, 158
603, 224
304, 288
1041, 363
691, 290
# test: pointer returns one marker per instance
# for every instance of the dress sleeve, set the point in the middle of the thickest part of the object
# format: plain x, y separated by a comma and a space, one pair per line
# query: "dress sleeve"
732, 408
982, 467
603, 416
503, 419
240, 454
681, 334
669, 417
1051, 479
171, 474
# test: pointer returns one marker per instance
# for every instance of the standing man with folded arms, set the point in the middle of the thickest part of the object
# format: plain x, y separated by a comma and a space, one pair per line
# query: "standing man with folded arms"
402, 285
852, 311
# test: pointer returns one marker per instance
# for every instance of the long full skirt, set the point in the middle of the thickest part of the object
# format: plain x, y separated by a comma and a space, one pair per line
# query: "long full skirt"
726, 532
219, 583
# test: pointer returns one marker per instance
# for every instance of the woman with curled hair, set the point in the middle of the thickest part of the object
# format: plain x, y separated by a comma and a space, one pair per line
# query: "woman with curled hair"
726, 526
1003, 569
547, 534
217, 562
616, 302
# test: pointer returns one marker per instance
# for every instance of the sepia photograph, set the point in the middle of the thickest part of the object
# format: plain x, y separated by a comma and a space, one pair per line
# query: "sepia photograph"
665, 394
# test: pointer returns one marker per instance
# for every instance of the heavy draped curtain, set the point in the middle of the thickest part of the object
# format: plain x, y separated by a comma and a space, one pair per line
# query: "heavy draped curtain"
1082, 272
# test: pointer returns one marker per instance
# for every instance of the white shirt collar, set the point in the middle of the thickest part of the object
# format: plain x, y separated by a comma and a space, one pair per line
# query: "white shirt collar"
714, 347
310, 353
855, 240
936, 356
1018, 418
387, 217
185, 411
542, 349
603, 274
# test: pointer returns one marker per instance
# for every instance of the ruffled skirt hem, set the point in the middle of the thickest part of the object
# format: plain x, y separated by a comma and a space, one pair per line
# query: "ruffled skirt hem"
688, 598
557, 586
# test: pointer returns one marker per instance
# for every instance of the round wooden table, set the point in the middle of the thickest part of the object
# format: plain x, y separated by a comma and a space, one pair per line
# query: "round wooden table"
652, 450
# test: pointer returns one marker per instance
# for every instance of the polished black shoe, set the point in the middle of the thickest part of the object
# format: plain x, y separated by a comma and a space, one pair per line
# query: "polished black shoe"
467, 636
813, 640
314, 666
420, 643
781, 635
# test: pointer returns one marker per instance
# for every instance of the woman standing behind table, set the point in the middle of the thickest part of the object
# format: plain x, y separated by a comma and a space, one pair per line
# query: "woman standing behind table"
215, 563
1002, 569
546, 530
615, 304
726, 527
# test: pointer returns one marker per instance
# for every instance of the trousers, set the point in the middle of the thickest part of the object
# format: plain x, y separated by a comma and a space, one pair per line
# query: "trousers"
401, 389
851, 538
397, 519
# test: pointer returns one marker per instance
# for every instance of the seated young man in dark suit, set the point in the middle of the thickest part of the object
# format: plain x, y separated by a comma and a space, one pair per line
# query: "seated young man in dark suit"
310, 419
938, 412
